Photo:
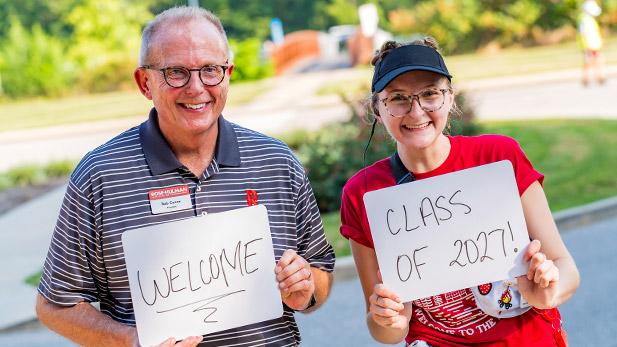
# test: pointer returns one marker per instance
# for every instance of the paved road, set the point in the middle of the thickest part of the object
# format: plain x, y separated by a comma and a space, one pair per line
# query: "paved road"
589, 317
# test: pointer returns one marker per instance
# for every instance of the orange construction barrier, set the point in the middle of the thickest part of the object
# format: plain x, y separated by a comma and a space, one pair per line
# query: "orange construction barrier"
296, 46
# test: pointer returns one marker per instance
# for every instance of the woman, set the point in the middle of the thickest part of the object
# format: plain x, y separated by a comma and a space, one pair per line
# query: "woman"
412, 97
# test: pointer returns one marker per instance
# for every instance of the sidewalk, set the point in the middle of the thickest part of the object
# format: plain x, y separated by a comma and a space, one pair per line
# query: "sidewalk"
26, 233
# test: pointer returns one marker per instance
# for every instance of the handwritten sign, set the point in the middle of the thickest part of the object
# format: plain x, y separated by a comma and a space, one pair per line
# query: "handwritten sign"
201, 275
449, 232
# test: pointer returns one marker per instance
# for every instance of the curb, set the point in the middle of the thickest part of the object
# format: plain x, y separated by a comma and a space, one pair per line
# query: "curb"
566, 220
586, 214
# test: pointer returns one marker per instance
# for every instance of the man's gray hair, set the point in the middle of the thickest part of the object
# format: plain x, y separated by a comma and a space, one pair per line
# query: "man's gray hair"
179, 14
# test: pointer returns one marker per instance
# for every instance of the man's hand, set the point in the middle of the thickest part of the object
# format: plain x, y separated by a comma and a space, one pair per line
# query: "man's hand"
190, 341
295, 279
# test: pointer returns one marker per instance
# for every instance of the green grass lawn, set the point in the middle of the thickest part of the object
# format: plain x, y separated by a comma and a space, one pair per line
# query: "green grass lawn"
35, 113
578, 158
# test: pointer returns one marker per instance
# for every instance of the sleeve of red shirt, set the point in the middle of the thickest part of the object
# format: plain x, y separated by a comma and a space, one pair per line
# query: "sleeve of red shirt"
352, 214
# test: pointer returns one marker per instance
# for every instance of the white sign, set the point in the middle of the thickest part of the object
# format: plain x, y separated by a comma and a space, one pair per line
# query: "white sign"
201, 275
449, 232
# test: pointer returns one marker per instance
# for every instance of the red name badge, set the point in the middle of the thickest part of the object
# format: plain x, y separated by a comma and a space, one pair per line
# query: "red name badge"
170, 199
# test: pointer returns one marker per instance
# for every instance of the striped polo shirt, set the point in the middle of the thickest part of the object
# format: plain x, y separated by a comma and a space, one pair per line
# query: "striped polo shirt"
109, 193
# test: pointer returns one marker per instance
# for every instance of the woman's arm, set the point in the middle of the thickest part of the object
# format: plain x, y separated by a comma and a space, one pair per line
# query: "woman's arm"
552, 277
387, 318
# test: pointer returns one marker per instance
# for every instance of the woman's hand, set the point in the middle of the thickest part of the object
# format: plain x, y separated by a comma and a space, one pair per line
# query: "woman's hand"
539, 286
387, 309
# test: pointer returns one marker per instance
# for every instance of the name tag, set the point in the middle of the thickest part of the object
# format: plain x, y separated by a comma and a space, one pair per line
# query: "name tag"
170, 199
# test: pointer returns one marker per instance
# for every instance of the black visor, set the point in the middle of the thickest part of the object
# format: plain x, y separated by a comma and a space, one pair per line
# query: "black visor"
407, 58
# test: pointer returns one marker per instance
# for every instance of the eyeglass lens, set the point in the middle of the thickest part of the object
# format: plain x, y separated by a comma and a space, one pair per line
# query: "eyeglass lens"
430, 100
210, 75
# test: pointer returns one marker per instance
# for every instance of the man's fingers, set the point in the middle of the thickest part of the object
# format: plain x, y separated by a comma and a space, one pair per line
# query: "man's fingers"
301, 279
167, 343
286, 259
292, 268
191, 341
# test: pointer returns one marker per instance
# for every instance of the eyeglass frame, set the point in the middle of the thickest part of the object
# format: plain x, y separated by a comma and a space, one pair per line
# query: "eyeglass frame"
417, 98
164, 71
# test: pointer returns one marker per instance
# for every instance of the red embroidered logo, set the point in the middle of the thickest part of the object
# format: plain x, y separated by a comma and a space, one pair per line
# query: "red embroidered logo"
251, 197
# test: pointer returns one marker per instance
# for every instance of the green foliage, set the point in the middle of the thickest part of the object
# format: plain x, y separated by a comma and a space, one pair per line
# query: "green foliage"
33, 63
335, 154
466, 25
49, 15
105, 42
35, 174
60, 46
34, 279
342, 11
248, 63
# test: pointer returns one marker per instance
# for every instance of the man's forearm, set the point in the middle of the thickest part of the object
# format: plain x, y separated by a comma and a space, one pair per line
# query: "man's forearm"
84, 324
323, 284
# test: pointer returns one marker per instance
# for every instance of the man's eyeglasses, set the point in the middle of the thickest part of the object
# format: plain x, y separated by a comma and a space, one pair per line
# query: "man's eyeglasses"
179, 76
430, 100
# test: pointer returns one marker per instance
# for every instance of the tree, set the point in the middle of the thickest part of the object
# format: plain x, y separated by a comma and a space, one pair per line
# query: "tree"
105, 41
33, 63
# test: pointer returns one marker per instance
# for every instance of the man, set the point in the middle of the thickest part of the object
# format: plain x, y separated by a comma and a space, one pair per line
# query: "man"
185, 70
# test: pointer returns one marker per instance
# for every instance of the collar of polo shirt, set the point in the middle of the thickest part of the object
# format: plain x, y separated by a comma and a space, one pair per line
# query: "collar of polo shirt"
160, 157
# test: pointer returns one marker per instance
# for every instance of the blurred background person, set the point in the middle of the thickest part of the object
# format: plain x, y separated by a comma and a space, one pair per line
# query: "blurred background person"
590, 39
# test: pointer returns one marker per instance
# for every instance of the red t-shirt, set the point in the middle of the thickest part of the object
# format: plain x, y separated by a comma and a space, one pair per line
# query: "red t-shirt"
453, 319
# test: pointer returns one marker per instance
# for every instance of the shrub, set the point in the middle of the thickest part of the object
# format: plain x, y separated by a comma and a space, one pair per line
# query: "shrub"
31, 174
249, 65
33, 63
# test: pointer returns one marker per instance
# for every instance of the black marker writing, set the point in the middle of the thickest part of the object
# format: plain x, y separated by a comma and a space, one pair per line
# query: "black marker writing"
203, 307
178, 277
405, 265
480, 248
429, 212
459, 203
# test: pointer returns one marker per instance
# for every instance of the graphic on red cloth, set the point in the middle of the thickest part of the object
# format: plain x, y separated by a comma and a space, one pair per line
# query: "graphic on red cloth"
485, 288
454, 313
506, 297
